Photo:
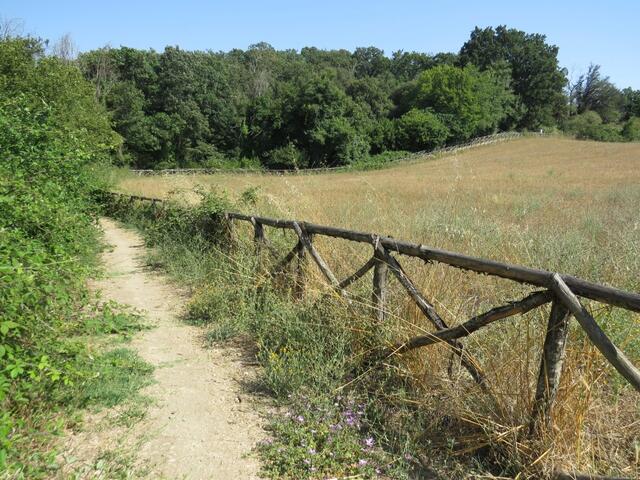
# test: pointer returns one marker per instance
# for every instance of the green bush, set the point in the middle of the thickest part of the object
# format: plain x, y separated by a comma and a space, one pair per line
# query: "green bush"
52, 133
285, 157
589, 126
420, 130
580, 123
602, 133
631, 130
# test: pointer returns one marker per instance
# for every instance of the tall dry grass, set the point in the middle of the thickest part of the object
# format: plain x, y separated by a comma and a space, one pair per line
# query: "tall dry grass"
552, 203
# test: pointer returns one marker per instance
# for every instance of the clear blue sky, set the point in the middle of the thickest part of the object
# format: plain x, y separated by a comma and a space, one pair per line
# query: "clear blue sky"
602, 32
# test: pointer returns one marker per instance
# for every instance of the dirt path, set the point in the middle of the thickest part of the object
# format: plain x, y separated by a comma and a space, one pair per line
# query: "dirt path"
201, 425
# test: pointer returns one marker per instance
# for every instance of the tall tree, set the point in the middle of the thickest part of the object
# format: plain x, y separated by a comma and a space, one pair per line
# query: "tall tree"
99, 67
370, 62
592, 92
408, 65
630, 103
537, 79
468, 101
65, 48
325, 122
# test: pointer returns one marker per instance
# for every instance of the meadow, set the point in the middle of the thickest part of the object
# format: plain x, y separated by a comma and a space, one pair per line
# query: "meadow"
554, 203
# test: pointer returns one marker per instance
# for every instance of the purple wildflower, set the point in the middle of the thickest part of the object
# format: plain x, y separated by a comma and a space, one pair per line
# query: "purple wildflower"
300, 418
369, 442
362, 462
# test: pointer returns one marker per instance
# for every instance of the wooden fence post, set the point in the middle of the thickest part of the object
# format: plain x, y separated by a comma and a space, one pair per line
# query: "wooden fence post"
260, 242
307, 242
553, 354
258, 236
227, 227
612, 353
300, 268
379, 296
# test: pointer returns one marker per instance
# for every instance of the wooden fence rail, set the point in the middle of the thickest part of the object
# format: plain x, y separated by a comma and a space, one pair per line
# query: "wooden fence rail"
476, 142
560, 290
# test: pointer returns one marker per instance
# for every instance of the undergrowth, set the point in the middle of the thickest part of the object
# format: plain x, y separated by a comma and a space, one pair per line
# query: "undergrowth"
338, 415
55, 336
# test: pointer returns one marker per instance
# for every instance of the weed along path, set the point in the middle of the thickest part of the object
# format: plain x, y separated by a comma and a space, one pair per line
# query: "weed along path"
200, 424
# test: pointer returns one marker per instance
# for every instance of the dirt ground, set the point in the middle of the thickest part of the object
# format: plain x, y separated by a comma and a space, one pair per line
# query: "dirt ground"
202, 422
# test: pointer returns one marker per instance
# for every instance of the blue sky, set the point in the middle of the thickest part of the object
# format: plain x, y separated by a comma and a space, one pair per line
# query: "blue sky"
586, 31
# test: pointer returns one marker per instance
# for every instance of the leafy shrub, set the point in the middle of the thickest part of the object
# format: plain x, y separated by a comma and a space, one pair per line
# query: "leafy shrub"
382, 135
420, 130
631, 130
203, 224
589, 126
580, 123
51, 132
285, 157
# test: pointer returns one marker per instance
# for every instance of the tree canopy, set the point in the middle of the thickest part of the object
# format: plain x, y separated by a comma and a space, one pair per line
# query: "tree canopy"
313, 107
537, 79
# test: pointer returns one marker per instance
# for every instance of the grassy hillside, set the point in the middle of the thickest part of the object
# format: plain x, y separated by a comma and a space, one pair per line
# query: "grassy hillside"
547, 202
554, 203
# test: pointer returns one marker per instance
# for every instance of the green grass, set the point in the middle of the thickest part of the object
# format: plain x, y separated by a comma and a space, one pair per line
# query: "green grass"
117, 376
312, 357
318, 438
111, 318
112, 464
108, 375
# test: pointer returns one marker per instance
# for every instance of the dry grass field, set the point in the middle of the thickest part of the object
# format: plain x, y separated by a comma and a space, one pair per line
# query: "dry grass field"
553, 203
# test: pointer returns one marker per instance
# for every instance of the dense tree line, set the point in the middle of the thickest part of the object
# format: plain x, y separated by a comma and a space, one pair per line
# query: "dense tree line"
314, 107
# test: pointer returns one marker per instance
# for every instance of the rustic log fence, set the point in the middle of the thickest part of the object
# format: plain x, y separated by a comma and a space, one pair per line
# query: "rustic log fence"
476, 142
562, 291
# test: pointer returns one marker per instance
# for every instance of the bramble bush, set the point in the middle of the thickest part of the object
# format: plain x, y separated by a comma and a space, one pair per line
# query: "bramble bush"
51, 133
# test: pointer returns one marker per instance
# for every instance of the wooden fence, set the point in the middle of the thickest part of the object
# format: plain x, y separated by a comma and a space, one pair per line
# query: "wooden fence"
562, 291
476, 142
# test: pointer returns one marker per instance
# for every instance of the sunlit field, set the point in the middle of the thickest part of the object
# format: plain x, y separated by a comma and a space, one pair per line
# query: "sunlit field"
553, 203
558, 204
